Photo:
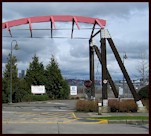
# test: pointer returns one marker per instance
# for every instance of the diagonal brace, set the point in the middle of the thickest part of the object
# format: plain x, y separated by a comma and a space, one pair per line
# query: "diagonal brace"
98, 53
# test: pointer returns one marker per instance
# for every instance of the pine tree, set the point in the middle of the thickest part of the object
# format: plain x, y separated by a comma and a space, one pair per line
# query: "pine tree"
6, 79
56, 86
35, 73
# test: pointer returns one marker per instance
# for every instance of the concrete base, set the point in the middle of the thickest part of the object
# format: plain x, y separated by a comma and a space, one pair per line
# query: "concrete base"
100, 111
142, 109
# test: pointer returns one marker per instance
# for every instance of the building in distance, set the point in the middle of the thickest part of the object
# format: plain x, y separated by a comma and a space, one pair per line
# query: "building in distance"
22, 74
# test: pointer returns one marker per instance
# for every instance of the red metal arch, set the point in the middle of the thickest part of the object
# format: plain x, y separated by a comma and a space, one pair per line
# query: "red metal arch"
53, 19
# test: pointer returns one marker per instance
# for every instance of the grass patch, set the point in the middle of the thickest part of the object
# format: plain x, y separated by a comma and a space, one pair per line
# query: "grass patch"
123, 118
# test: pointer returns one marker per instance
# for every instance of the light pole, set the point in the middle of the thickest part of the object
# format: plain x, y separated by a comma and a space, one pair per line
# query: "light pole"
16, 48
124, 57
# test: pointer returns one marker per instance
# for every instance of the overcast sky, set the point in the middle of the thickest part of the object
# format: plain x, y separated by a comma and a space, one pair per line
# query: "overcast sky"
127, 23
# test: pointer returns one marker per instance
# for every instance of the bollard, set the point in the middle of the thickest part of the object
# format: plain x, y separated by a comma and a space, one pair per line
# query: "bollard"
99, 108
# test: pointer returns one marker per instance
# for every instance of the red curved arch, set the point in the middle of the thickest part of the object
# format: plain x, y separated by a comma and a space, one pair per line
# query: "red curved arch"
53, 19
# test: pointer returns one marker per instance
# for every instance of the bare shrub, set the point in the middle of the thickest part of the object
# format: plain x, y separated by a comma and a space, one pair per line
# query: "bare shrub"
124, 105
128, 105
86, 105
113, 104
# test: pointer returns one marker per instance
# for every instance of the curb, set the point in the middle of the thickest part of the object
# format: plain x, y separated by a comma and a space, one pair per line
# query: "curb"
104, 122
128, 121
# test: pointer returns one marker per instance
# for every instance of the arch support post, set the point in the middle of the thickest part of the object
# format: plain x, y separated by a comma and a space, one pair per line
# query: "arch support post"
91, 65
104, 75
117, 56
98, 53
141, 108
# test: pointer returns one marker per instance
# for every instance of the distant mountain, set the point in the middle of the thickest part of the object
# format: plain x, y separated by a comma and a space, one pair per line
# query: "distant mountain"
79, 82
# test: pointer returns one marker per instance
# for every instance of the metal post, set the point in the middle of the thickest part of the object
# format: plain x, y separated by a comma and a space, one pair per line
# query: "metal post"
16, 47
11, 75
124, 57
51, 30
123, 79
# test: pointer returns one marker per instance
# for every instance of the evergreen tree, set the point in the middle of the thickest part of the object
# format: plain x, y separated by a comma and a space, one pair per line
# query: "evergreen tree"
22, 91
56, 86
5, 91
35, 73
6, 79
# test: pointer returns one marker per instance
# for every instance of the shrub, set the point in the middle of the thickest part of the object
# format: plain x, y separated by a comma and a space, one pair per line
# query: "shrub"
146, 103
44, 97
125, 105
87, 105
113, 104
93, 106
128, 105
31, 97
80, 105
72, 98
77, 97
132, 106
27, 98
4, 97
144, 92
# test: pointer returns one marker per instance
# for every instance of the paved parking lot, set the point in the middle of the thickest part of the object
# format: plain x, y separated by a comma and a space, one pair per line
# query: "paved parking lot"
46, 106
55, 117
37, 117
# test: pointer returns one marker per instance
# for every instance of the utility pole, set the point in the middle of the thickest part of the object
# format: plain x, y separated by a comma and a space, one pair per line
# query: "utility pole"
124, 57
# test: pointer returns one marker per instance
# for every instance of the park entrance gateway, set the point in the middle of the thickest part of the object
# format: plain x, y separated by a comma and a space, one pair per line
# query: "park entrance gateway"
101, 53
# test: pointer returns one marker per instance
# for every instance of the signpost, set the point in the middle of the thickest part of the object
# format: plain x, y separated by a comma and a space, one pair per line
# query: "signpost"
88, 90
120, 91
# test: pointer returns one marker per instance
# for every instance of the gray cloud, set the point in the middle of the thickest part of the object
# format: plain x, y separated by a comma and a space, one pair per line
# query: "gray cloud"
123, 9
124, 22
79, 50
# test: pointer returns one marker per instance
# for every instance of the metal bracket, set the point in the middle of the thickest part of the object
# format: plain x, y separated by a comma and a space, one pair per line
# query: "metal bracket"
91, 43
105, 33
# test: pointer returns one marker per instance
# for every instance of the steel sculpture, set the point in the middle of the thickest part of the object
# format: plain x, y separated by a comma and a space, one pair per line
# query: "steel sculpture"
101, 54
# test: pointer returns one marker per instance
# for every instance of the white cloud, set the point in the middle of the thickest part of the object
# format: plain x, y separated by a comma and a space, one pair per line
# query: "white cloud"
128, 24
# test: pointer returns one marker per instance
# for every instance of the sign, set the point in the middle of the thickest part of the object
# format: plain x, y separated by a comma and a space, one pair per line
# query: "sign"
87, 83
105, 81
73, 90
38, 89
120, 91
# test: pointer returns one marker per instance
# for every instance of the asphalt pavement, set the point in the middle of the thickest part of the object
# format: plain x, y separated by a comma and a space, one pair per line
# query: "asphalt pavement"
68, 105
60, 128
60, 117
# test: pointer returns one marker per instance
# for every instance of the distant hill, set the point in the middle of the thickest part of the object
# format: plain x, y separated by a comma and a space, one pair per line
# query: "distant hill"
79, 82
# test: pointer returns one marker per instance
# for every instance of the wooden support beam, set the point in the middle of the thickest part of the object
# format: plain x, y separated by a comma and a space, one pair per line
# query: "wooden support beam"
91, 60
98, 53
104, 69
117, 56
